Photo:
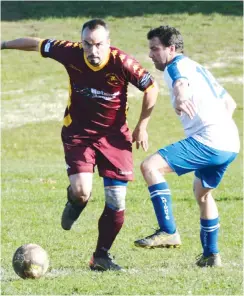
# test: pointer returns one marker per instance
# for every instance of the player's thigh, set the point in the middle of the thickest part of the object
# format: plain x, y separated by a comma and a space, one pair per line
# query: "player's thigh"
211, 176
198, 189
80, 161
79, 158
182, 156
190, 155
114, 159
81, 184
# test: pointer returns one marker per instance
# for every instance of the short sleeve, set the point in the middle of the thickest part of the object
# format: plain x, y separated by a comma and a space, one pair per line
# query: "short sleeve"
175, 71
59, 50
136, 74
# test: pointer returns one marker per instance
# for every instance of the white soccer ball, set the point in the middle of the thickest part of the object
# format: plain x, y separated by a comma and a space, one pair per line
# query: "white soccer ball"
30, 261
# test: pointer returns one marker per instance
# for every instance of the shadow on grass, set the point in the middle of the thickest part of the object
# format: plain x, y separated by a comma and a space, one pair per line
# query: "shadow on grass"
20, 10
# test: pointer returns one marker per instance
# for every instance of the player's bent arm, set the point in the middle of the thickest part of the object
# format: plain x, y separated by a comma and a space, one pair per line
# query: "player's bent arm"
230, 104
139, 134
183, 102
149, 101
181, 90
27, 44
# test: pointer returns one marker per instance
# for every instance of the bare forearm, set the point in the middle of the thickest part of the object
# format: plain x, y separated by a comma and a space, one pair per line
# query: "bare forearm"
28, 44
139, 134
149, 101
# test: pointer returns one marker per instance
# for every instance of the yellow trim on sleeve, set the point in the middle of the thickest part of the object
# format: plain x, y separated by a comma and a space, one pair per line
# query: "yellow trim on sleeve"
40, 45
149, 87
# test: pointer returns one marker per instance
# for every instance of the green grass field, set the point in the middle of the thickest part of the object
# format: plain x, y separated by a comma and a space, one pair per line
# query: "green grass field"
34, 94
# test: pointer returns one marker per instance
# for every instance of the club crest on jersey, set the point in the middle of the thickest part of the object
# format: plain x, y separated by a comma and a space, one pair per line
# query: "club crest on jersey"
113, 79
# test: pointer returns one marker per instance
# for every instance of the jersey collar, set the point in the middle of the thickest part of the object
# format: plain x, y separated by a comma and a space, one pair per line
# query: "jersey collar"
177, 58
101, 66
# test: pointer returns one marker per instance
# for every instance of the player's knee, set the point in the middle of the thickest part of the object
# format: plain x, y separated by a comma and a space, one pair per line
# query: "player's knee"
78, 194
115, 193
149, 172
201, 193
203, 197
145, 167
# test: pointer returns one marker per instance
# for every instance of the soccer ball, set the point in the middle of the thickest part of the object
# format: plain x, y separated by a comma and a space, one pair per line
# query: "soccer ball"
30, 261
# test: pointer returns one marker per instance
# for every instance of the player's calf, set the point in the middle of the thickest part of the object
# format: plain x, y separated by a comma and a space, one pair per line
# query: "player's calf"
72, 210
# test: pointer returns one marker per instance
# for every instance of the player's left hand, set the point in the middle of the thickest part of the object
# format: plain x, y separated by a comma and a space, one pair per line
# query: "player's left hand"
140, 136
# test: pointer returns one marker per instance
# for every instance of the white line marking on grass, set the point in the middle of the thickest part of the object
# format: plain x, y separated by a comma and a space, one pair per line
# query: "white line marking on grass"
23, 110
61, 272
231, 79
17, 91
68, 271
58, 272
224, 61
226, 55
218, 65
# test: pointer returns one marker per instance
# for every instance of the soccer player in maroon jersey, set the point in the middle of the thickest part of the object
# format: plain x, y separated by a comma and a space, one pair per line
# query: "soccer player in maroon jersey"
95, 130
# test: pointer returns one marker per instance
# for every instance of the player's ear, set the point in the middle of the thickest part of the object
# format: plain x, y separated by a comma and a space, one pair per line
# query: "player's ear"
109, 41
172, 48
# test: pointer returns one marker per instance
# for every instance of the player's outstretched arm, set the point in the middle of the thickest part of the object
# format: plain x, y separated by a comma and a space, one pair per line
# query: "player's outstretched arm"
139, 134
27, 44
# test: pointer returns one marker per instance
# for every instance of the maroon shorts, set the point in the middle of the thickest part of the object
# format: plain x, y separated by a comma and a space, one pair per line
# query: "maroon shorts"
111, 155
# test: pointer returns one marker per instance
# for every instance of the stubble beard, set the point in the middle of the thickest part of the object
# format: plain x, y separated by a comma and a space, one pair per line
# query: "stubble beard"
95, 61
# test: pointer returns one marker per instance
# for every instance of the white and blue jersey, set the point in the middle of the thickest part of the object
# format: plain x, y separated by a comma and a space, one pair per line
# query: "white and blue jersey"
212, 141
212, 125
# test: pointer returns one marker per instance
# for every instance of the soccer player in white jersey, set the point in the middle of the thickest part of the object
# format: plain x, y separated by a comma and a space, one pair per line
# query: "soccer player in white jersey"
205, 110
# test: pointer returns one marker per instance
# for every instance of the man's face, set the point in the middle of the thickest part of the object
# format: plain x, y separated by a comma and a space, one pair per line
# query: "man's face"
160, 54
95, 44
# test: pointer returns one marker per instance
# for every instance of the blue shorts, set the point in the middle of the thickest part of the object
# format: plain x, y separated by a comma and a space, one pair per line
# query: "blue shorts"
190, 155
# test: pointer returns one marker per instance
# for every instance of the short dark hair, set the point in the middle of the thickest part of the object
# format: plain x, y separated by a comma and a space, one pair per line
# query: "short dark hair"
93, 24
168, 36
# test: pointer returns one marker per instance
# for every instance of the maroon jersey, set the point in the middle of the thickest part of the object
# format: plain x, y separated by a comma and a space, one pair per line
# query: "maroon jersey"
98, 95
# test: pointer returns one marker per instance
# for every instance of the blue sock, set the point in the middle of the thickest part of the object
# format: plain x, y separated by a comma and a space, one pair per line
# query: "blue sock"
161, 199
209, 236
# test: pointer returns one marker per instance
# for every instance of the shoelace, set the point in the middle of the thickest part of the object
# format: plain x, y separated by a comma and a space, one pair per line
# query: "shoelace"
111, 258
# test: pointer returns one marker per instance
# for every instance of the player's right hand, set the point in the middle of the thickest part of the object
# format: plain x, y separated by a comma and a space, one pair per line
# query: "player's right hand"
140, 136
